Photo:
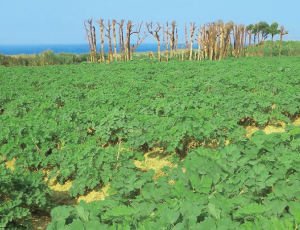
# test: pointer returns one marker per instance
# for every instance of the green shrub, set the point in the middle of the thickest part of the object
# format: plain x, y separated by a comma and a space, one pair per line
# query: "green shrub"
67, 58
48, 57
22, 192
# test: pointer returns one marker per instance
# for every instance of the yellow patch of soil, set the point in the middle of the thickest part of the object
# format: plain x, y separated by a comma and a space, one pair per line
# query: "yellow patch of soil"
10, 164
250, 130
60, 193
94, 195
153, 161
278, 127
296, 122
273, 129
60, 196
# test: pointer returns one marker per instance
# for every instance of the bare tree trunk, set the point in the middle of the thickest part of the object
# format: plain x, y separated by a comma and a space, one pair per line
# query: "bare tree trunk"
108, 29
88, 38
205, 40
167, 36
272, 38
228, 28
129, 51
280, 44
127, 42
172, 36
100, 22
222, 37
121, 39
176, 43
114, 38
192, 31
242, 39
212, 40
282, 32
91, 37
92, 32
164, 42
257, 39
249, 39
155, 35
95, 45
186, 38
217, 45
199, 42
235, 40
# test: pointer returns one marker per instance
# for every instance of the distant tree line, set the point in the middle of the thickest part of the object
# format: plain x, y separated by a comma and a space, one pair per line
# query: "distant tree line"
216, 40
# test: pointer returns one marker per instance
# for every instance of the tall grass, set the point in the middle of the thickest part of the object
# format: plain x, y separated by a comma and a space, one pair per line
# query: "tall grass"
289, 48
45, 58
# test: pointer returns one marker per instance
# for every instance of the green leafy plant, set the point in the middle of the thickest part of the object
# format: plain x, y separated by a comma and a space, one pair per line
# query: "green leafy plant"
22, 192
88, 123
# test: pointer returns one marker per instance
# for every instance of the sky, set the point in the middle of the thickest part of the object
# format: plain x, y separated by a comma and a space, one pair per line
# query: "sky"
62, 21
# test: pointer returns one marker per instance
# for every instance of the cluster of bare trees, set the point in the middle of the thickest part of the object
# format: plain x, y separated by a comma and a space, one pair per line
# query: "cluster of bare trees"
215, 40
109, 30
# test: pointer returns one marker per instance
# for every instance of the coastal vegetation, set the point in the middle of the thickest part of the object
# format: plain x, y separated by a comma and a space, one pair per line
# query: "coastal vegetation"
266, 49
214, 41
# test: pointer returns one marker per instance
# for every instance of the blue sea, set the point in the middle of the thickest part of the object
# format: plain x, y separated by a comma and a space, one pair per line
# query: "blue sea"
72, 48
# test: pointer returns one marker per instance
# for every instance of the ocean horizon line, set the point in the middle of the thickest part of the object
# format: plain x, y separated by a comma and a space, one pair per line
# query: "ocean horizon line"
28, 49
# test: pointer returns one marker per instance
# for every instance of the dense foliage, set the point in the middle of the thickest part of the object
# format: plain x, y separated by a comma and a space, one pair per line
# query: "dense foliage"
22, 192
45, 58
227, 189
289, 48
71, 120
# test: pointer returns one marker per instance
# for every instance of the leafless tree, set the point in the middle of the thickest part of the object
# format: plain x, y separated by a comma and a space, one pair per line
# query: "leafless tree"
100, 22
114, 38
129, 32
155, 35
108, 35
186, 38
172, 36
91, 37
282, 33
192, 31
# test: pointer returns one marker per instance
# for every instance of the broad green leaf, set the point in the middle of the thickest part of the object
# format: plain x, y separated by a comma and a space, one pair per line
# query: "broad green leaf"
91, 225
83, 214
215, 212
61, 212
170, 216
75, 225
208, 224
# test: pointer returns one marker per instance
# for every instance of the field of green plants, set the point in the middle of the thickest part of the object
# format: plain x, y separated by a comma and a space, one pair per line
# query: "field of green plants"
72, 121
